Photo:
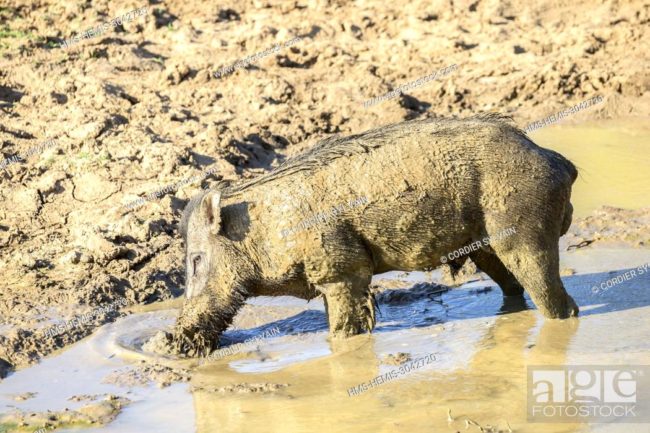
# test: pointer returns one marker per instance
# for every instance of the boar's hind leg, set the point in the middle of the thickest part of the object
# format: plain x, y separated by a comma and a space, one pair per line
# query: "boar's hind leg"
536, 266
349, 306
491, 265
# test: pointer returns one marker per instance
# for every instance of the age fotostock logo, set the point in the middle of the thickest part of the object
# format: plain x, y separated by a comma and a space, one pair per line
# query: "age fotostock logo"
588, 393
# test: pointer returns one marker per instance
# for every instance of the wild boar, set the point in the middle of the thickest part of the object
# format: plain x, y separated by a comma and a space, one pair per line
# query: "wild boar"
400, 197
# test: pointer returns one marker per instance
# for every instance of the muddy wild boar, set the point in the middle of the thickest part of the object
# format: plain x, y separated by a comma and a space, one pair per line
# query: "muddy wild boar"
400, 197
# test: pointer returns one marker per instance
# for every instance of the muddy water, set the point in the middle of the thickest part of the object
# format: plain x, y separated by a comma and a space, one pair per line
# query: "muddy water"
81, 370
481, 346
479, 372
613, 162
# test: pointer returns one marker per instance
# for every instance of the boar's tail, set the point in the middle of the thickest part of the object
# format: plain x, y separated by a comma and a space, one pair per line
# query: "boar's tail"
573, 171
564, 167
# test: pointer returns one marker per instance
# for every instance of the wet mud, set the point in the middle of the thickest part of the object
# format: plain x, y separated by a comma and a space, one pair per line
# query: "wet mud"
138, 113
127, 112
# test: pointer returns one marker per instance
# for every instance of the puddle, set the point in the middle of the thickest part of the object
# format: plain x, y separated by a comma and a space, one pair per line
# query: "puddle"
80, 370
479, 371
613, 163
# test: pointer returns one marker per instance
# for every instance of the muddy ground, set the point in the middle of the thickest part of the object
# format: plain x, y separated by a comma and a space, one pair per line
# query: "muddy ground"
138, 109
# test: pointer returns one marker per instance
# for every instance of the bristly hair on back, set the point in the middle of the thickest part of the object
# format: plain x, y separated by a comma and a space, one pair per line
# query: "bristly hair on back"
498, 118
335, 147
324, 152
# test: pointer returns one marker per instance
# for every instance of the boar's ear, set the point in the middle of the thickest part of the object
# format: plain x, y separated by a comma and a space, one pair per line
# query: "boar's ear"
211, 210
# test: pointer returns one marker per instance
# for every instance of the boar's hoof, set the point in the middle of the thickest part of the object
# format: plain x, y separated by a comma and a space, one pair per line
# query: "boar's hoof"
350, 316
560, 310
572, 307
192, 343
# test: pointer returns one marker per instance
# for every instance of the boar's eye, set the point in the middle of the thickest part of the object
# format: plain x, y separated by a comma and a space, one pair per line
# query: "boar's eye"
196, 261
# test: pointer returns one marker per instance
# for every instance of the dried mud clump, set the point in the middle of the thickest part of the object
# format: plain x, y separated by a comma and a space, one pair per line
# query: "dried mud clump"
93, 414
612, 227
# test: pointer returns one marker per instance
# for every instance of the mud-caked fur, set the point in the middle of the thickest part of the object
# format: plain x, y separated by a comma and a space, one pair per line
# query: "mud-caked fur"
429, 187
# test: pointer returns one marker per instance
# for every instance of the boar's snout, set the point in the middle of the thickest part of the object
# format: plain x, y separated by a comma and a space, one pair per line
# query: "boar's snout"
198, 327
202, 320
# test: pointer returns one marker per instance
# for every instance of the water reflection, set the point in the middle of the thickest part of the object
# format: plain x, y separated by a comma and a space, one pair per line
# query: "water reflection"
481, 375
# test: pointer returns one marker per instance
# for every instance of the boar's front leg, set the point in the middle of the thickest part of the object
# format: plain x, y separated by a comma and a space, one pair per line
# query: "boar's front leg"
349, 306
341, 268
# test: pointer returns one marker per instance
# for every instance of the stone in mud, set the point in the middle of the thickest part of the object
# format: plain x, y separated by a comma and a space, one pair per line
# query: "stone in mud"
409, 196
398, 358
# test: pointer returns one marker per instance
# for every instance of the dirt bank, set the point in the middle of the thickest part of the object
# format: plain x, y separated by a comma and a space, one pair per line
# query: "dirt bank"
137, 111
